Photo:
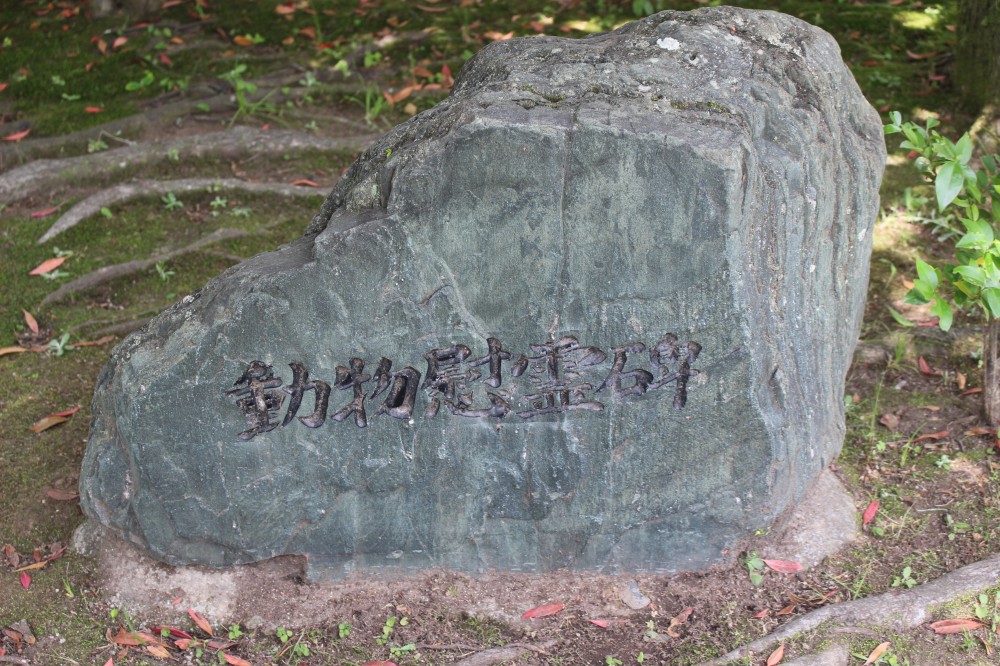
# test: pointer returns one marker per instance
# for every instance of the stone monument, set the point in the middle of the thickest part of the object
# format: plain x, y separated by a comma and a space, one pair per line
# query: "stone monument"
593, 311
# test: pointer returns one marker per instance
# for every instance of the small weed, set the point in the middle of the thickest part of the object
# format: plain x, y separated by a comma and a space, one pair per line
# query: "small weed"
170, 201
402, 649
235, 632
956, 527
283, 634
387, 629
905, 579
943, 462
755, 565
241, 212
612, 661
343, 630
106, 212
174, 155
147, 80
96, 145
373, 58
988, 612
163, 272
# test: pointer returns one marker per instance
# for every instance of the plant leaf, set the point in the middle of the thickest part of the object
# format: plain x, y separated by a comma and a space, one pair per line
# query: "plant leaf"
876, 653
784, 566
45, 212
600, 623
544, 611
925, 368
47, 266
776, 656
17, 136
30, 321
900, 319
47, 422
25, 580
869, 513
955, 626
942, 309
948, 183
158, 651
234, 660
200, 620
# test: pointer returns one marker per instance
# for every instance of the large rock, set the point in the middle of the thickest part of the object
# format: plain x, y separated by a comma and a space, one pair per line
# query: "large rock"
628, 270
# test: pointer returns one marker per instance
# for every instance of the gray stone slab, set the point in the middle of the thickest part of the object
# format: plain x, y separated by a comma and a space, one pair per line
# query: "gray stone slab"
690, 197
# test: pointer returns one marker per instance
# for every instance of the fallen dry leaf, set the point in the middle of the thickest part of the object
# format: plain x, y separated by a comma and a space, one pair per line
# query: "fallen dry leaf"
869, 513
173, 631
67, 412
678, 619
30, 321
776, 656
876, 653
600, 623
240, 40
25, 580
47, 422
955, 626
94, 109
95, 343
158, 651
925, 368
119, 42
972, 432
787, 610
61, 495
762, 614
933, 435
45, 212
784, 566
12, 350
200, 620
234, 660
305, 182
544, 611
17, 136
889, 420
47, 266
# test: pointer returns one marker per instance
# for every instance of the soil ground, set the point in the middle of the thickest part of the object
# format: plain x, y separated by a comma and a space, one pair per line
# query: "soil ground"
915, 440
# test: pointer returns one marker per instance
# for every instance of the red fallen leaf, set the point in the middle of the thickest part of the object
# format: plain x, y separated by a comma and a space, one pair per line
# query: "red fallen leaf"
955, 626
234, 660
934, 435
173, 631
446, 75
776, 656
102, 46
45, 212
12, 350
544, 611
30, 321
869, 513
498, 36
784, 566
25, 580
980, 430
200, 620
47, 266
285, 8
600, 623
68, 412
399, 96
678, 619
422, 71
762, 614
2, 86
165, 59
876, 653
220, 643
309, 32
787, 610
241, 40
109, 662
171, 3
60, 495
119, 42
39, 562
305, 182
432, 10
158, 651
185, 643
920, 56
925, 368
972, 391
47, 422
17, 136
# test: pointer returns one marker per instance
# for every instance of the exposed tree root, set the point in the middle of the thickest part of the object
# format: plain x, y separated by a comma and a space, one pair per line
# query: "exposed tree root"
898, 610
47, 175
508, 652
106, 273
140, 188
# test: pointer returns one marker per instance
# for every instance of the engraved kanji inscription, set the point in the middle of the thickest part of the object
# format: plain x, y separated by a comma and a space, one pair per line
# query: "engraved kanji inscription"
555, 371
258, 399
351, 379
673, 362
555, 378
300, 384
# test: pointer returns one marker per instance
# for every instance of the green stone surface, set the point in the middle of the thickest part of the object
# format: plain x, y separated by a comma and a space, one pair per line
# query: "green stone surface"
711, 174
